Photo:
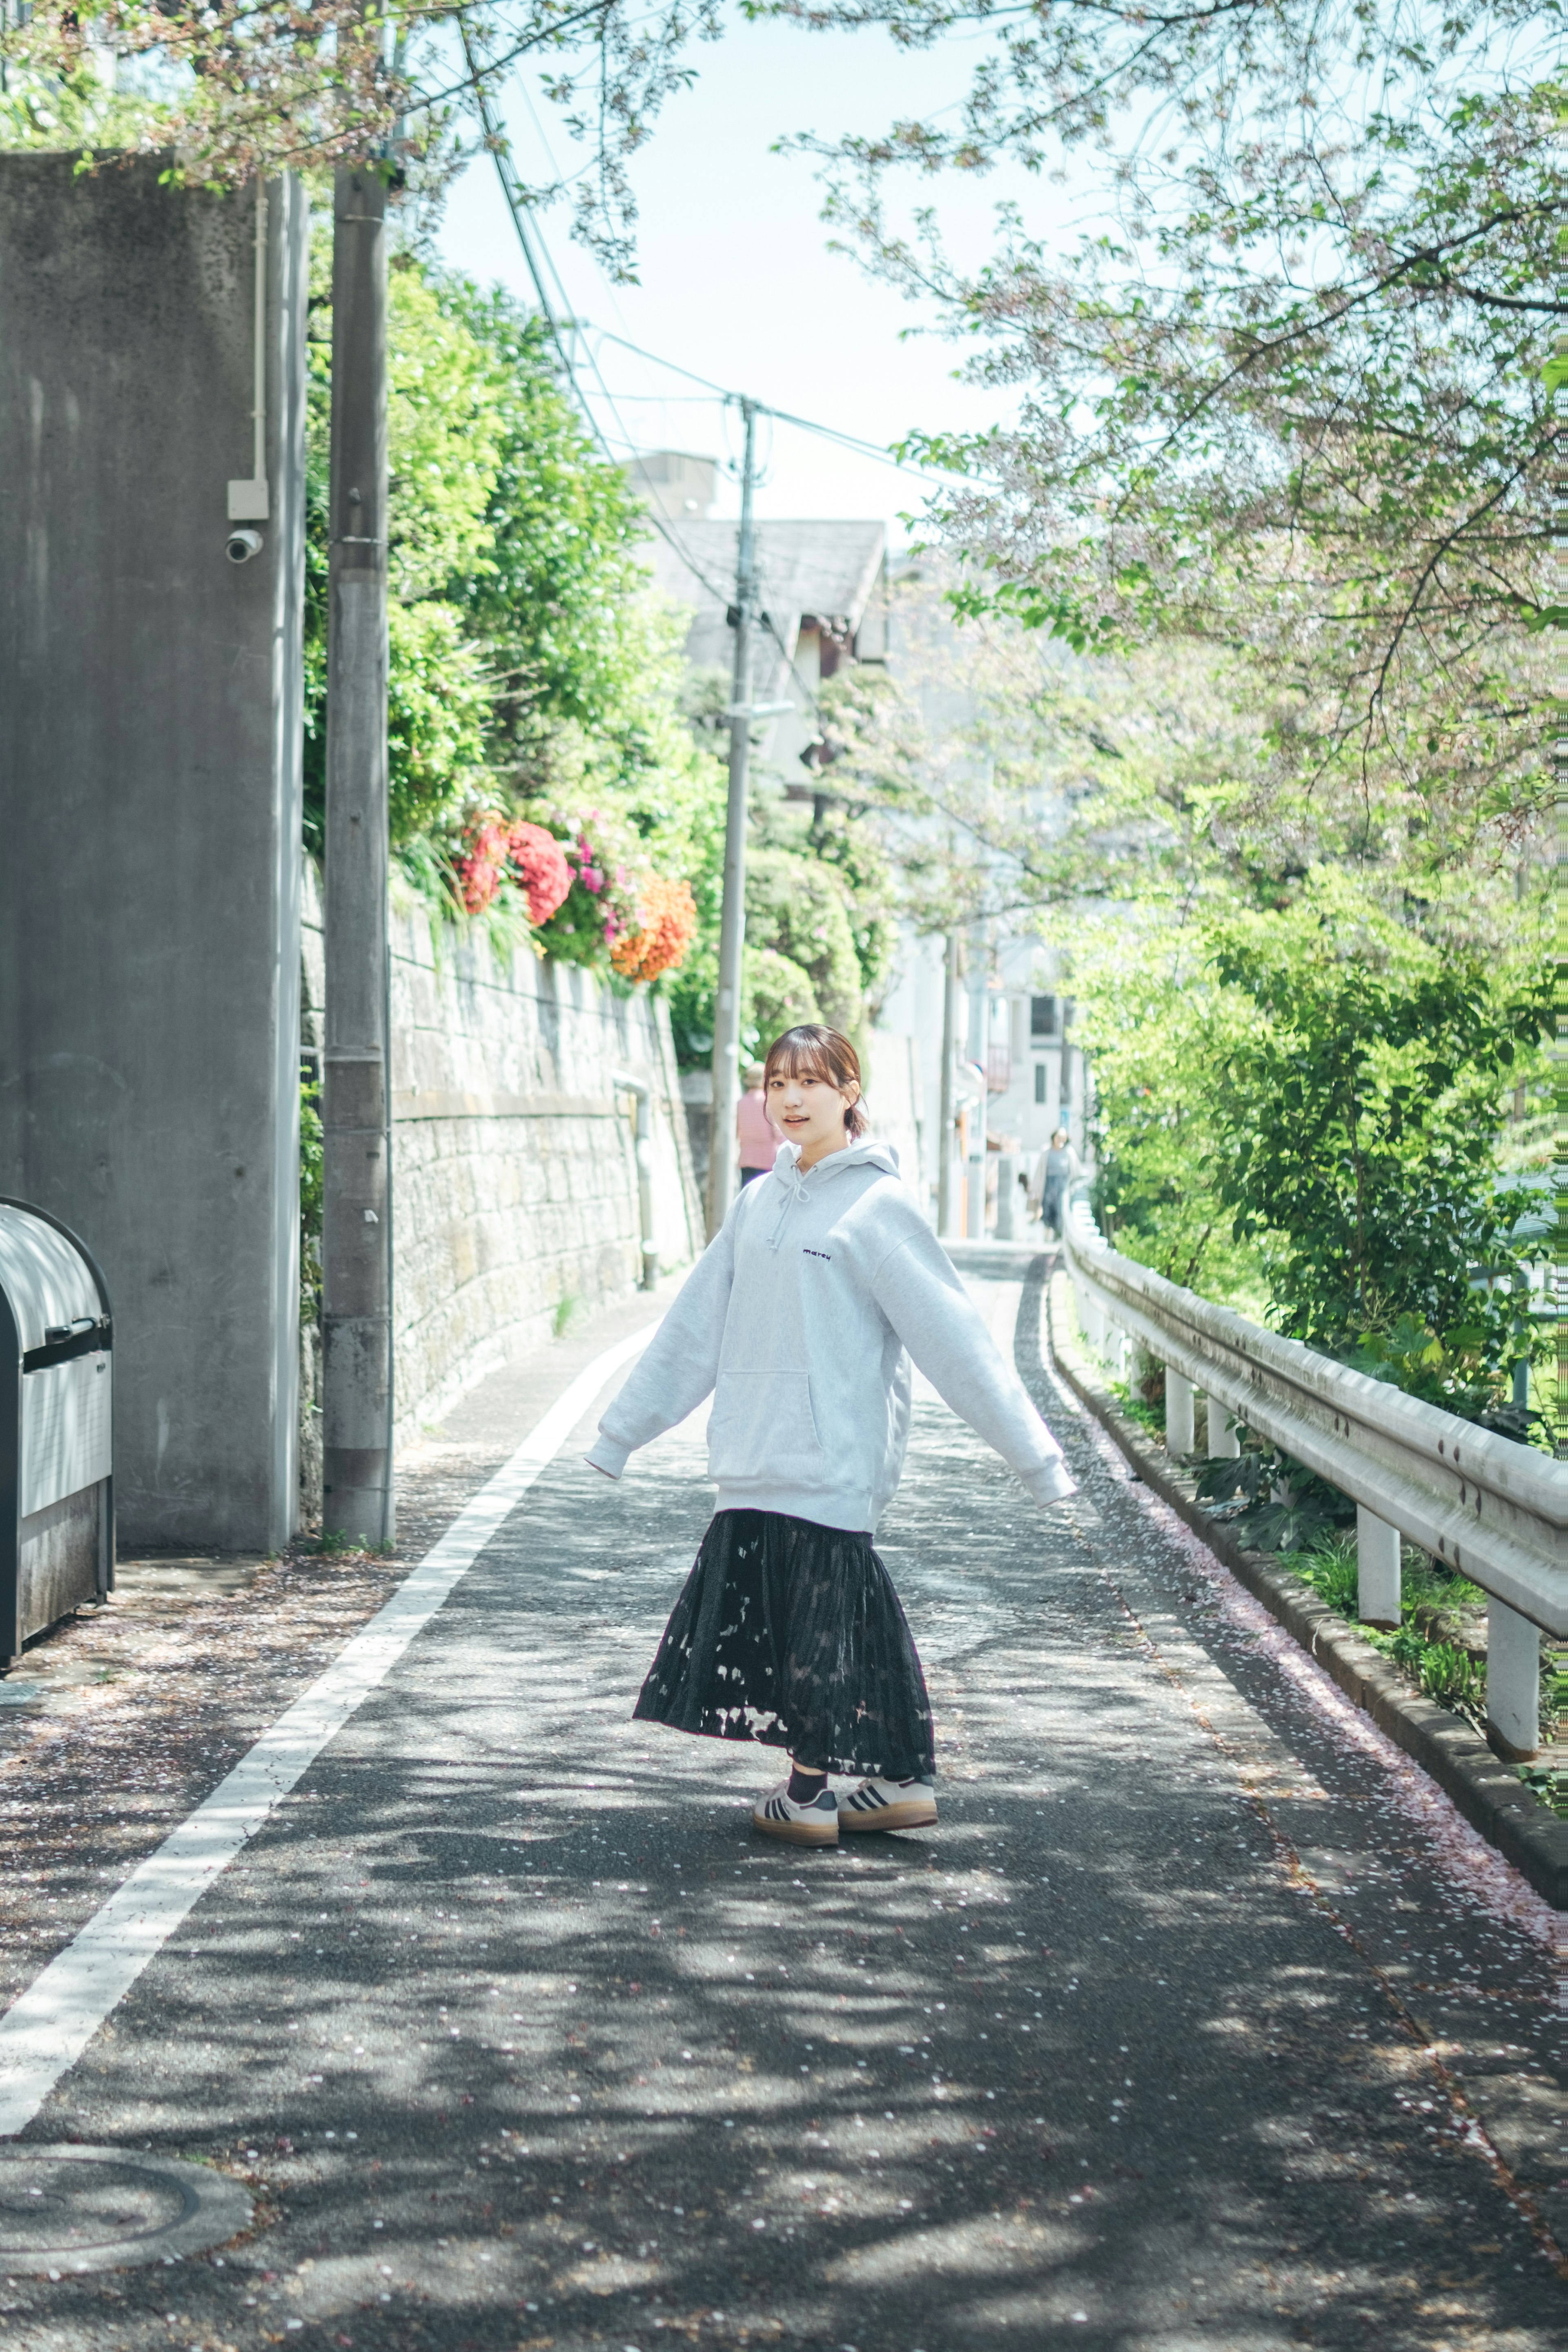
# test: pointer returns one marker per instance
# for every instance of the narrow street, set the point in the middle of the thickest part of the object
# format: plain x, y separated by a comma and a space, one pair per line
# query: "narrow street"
1201, 2019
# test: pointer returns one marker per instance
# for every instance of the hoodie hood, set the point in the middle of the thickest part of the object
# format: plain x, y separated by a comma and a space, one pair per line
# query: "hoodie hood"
795, 1187
869, 1153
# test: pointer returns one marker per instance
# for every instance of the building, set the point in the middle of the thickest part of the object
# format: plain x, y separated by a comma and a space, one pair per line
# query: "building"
1014, 1026
824, 601
822, 594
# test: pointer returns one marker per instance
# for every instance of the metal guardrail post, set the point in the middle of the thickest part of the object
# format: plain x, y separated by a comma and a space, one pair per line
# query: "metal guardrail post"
1490, 1510
1378, 1582
1513, 1680
641, 1093
1223, 1444
1180, 1431
1007, 1194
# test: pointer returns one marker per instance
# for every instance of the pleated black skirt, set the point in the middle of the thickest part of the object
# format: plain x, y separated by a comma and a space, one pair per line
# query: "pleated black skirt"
792, 1634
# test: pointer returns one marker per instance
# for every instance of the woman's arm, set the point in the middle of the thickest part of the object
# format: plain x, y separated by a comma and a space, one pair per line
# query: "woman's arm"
679, 1365
928, 1307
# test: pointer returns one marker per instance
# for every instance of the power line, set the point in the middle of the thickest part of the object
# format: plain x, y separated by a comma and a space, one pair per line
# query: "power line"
528, 235
783, 415
516, 204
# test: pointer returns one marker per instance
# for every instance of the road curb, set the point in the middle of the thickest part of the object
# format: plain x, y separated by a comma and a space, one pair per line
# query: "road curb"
1491, 1799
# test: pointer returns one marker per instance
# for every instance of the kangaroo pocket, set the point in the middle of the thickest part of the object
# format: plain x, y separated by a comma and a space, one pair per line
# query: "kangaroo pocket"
761, 1425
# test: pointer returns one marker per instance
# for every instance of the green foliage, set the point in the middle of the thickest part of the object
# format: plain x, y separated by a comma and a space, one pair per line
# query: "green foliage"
857, 857
1286, 392
1156, 1025
802, 957
551, 583
1279, 1504
797, 905
444, 442
310, 1190
778, 995
1426, 1645
1459, 1372
439, 707
531, 668
233, 90
1357, 1113
446, 432
1300, 1110
1452, 1677
1332, 1569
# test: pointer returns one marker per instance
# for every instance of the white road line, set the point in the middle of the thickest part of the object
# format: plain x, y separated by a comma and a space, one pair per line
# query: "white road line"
45, 2030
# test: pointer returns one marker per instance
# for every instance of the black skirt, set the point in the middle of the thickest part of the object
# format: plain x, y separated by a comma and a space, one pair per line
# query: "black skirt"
792, 1634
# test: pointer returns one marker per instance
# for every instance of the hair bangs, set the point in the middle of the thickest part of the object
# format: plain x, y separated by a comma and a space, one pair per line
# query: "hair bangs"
795, 1056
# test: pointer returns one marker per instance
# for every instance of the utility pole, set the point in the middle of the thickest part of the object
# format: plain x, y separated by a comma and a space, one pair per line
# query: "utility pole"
356, 1101
732, 926
946, 1205
980, 1055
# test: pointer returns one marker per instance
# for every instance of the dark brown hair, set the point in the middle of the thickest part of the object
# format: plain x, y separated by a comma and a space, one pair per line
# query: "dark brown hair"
812, 1051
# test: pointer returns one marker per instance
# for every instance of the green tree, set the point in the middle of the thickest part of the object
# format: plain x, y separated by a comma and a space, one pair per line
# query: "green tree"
560, 560
1298, 1111
1286, 395
1358, 1114
533, 669
444, 433
221, 90
1156, 1023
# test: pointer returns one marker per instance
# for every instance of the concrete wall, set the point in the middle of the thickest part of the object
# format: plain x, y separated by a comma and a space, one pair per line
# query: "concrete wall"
150, 710
514, 1178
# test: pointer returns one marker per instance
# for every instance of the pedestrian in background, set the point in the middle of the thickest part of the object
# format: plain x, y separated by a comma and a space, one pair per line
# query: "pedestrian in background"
801, 1319
1059, 1168
755, 1133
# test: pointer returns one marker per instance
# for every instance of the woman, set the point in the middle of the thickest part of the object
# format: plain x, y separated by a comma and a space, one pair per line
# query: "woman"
756, 1136
1059, 1169
801, 1318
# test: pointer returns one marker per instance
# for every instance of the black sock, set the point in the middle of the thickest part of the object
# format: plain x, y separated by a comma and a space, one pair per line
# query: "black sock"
804, 1785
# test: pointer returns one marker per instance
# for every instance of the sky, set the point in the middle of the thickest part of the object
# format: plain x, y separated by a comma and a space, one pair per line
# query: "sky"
737, 279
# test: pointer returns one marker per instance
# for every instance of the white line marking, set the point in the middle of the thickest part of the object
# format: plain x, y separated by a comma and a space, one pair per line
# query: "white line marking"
45, 2031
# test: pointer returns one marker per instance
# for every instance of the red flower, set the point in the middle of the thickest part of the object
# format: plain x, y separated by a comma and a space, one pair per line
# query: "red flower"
534, 858
539, 864
481, 872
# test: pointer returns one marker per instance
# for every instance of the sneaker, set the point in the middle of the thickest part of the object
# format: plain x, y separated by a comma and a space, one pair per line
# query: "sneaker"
777, 1814
888, 1805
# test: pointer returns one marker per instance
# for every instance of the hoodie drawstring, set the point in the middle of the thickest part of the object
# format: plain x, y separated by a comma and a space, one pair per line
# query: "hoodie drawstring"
795, 1181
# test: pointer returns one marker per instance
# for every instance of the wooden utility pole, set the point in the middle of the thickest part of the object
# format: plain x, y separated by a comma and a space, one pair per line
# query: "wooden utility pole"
721, 1149
356, 1100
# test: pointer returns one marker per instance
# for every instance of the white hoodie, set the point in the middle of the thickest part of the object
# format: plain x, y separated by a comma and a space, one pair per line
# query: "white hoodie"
798, 1318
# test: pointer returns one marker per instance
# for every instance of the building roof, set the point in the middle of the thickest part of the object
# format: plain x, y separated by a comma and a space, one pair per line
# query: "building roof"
828, 568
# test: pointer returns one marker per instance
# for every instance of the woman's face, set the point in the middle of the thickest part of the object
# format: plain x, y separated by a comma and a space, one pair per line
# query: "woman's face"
810, 1112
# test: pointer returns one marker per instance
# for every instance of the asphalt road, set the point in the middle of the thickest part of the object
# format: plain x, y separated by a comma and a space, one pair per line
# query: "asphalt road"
1194, 2022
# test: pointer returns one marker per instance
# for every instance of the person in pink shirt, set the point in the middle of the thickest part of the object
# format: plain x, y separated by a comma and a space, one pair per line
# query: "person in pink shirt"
755, 1133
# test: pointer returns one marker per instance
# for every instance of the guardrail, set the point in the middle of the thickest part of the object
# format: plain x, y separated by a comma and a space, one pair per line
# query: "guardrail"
1496, 1511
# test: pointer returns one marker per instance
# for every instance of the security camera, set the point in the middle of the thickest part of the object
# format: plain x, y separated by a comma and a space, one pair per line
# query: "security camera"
241, 545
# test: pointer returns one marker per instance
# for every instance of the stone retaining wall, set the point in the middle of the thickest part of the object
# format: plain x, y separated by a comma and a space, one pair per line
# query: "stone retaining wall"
513, 1161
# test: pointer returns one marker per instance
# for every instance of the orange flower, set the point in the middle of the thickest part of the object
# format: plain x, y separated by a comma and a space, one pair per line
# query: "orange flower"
668, 926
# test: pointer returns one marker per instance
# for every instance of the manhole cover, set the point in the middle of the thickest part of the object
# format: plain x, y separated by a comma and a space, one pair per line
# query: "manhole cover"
94, 2208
